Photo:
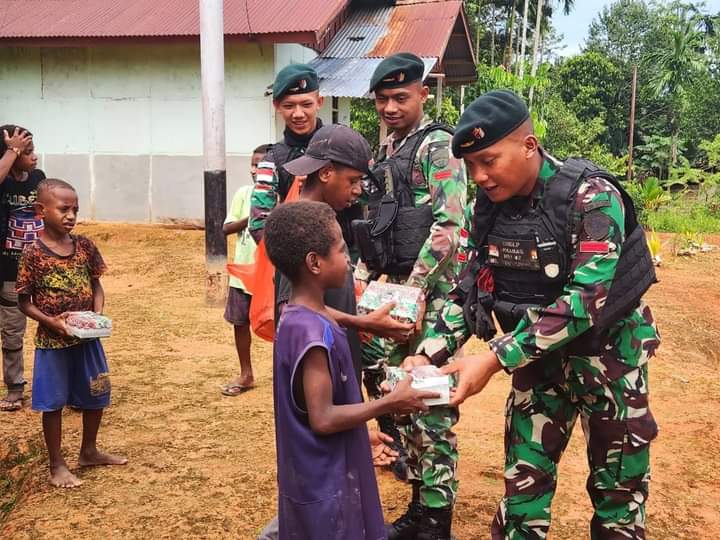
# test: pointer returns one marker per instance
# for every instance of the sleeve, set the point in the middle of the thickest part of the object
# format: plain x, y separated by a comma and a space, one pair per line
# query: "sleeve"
445, 176
95, 260
264, 196
237, 206
25, 282
601, 233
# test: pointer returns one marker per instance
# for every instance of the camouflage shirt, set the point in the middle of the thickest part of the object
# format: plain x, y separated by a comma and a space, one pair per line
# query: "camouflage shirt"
438, 179
543, 330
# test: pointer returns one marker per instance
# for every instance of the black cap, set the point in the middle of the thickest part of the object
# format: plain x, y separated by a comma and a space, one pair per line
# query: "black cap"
333, 144
295, 79
397, 70
488, 119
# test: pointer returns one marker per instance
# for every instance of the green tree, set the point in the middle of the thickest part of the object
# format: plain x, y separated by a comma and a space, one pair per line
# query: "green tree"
676, 67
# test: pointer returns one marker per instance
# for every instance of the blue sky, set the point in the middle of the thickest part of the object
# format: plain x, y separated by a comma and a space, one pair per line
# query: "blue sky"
575, 26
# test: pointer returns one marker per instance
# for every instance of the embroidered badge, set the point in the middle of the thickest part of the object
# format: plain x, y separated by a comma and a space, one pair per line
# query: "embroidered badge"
597, 225
302, 84
594, 247
552, 270
442, 175
100, 385
478, 133
467, 144
401, 76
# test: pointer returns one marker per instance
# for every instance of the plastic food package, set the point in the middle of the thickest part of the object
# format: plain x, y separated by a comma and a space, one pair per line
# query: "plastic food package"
407, 300
88, 324
424, 378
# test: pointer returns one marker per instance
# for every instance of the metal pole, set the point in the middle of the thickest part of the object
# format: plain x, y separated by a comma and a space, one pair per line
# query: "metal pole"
631, 135
212, 69
462, 99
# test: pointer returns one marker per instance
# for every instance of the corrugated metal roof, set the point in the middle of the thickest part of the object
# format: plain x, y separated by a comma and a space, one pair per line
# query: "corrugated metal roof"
350, 77
143, 18
422, 27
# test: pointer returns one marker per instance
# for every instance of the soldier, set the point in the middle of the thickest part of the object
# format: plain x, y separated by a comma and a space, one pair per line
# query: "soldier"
562, 263
417, 197
296, 97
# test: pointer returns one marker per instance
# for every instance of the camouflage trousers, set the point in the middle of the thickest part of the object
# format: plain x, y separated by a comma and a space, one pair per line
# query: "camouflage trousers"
618, 427
429, 441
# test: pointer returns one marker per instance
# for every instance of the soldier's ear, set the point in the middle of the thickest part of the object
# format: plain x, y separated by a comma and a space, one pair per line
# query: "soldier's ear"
530, 145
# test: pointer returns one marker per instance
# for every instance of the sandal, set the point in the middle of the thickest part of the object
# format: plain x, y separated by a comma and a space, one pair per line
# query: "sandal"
235, 389
11, 405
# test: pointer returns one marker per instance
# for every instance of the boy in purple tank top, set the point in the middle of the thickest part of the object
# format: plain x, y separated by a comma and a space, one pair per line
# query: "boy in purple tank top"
326, 481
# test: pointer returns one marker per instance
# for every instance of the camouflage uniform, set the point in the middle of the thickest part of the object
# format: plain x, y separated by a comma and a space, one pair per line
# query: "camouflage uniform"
437, 179
550, 388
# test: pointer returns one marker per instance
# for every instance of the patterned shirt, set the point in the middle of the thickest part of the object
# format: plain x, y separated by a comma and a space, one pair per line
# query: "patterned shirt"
59, 283
543, 330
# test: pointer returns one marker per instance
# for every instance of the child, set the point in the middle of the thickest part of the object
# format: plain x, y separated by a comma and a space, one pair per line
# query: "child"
58, 273
326, 480
19, 179
237, 310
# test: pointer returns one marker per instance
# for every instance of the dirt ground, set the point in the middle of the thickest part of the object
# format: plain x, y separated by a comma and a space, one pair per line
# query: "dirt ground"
203, 465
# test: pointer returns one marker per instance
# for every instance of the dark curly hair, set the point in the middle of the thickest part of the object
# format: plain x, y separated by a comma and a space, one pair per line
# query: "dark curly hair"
295, 229
10, 128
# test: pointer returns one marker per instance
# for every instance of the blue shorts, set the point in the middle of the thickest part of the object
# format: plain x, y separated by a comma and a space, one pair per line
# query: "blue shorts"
76, 376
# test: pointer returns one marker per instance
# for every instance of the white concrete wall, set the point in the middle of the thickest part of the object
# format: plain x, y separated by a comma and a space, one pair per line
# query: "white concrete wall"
124, 123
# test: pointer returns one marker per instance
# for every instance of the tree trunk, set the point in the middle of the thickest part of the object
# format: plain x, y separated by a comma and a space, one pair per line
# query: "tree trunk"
521, 73
536, 45
492, 36
509, 33
477, 33
518, 40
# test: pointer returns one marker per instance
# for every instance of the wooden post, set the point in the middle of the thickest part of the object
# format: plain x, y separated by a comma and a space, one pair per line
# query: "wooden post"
631, 134
212, 70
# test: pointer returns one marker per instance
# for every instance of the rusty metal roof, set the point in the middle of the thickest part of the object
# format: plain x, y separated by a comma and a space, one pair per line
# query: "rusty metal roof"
22, 19
435, 30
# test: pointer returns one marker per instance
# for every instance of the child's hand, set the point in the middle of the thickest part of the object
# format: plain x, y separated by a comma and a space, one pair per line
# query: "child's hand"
19, 139
57, 325
380, 323
406, 400
382, 454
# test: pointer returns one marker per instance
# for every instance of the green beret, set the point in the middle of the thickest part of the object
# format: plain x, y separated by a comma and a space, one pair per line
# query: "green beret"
295, 79
397, 70
488, 119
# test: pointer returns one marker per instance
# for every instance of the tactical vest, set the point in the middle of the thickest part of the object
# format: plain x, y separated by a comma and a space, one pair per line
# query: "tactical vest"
530, 253
391, 238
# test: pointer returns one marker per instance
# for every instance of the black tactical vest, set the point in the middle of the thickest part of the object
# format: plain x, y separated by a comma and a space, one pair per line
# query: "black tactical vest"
391, 238
530, 252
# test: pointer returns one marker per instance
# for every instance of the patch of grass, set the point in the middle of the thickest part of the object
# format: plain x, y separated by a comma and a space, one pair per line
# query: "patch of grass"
684, 219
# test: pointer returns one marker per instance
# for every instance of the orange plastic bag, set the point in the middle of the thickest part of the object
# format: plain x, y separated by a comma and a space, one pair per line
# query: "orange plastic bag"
259, 279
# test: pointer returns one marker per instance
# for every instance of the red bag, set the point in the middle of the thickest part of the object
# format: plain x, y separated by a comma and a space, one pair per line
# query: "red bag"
259, 281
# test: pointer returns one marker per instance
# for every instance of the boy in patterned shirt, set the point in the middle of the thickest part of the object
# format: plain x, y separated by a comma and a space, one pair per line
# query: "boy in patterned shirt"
59, 273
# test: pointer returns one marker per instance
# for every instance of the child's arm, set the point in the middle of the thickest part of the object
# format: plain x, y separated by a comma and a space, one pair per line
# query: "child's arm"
378, 323
98, 295
56, 324
235, 227
327, 418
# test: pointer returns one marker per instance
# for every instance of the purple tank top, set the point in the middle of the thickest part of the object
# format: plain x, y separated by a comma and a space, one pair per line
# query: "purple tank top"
327, 486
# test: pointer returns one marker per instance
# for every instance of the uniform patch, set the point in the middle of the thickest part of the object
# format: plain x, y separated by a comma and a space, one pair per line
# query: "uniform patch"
594, 247
595, 204
442, 175
513, 253
597, 225
439, 156
478, 133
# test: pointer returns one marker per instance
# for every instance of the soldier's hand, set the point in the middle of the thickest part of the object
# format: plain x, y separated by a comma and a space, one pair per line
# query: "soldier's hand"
380, 323
414, 361
474, 373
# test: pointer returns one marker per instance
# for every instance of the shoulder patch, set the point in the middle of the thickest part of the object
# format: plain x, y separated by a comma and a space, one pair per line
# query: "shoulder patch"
597, 225
440, 153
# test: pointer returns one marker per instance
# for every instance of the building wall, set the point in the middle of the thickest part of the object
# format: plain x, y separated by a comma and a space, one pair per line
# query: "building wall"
124, 123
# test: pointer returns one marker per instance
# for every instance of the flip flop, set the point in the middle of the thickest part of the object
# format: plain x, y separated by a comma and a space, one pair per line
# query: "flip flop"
10, 406
235, 389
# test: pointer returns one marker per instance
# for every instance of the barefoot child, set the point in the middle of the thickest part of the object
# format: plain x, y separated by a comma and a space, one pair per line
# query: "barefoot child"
237, 310
326, 481
58, 273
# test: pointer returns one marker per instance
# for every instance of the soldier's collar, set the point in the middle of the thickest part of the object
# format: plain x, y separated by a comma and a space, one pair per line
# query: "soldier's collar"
391, 142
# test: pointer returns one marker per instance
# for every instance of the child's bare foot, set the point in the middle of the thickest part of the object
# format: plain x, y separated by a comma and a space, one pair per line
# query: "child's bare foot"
92, 458
61, 477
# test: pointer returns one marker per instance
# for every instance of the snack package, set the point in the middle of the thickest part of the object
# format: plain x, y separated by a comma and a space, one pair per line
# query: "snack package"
88, 325
407, 300
424, 378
